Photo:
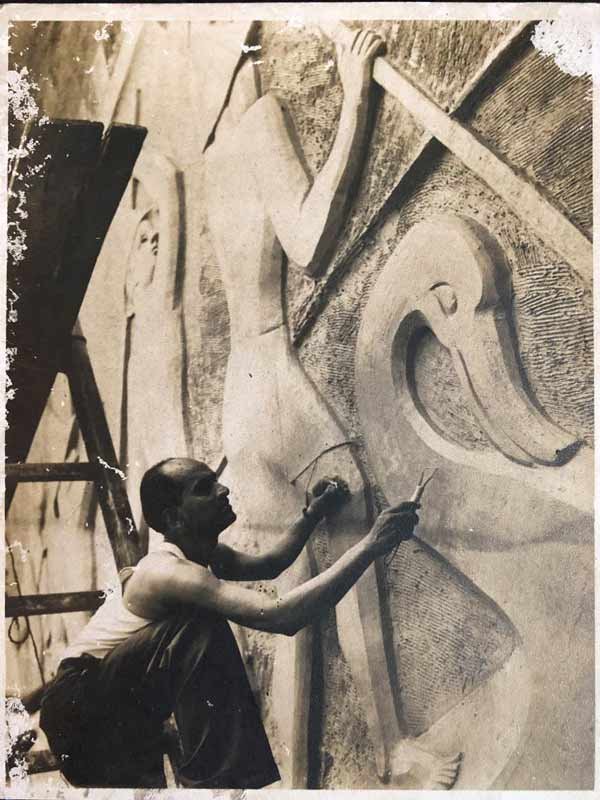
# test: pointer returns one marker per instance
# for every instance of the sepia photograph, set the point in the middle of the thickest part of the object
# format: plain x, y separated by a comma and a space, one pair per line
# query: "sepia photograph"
299, 398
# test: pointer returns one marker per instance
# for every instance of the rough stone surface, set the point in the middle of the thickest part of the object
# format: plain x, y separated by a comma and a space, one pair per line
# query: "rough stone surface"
37, 44
535, 95
550, 305
299, 65
345, 758
207, 331
448, 637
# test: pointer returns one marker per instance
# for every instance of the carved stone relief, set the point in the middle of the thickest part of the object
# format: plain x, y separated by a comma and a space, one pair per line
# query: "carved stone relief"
278, 432
152, 418
473, 660
449, 276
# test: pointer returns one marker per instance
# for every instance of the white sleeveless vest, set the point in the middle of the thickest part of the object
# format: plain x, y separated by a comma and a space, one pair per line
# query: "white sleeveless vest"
113, 623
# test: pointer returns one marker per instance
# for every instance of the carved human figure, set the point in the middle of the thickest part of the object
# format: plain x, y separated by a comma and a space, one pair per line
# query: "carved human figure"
151, 410
138, 286
263, 206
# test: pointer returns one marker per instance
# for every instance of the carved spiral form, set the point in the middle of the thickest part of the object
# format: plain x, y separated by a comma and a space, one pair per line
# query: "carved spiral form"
450, 275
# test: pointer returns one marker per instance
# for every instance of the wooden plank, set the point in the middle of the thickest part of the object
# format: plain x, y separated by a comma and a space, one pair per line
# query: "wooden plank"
49, 182
529, 201
39, 761
112, 495
58, 159
48, 311
48, 473
98, 205
60, 603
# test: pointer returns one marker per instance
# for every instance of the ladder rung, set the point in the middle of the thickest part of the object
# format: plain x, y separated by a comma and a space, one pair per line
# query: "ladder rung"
29, 473
64, 602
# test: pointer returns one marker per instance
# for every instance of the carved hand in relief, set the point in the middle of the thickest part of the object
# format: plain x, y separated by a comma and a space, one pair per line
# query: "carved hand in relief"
355, 63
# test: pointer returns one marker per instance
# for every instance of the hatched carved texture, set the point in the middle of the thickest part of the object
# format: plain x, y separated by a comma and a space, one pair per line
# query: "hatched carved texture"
299, 65
446, 639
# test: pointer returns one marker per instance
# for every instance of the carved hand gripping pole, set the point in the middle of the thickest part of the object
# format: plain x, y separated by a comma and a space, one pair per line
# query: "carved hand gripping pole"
530, 202
449, 275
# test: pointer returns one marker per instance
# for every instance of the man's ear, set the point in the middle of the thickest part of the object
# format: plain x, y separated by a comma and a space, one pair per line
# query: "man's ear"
170, 518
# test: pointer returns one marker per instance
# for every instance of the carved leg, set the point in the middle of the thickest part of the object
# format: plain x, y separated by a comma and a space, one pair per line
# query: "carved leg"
361, 637
267, 506
291, 690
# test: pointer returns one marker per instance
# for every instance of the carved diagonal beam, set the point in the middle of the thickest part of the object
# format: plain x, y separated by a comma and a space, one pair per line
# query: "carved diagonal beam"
499, 58
531, 203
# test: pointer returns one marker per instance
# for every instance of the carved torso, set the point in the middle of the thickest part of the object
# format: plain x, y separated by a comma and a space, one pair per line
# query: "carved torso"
271, 410
249, 253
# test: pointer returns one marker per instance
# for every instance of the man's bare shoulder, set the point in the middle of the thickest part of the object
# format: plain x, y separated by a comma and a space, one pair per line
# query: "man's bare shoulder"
158, 569
162, 579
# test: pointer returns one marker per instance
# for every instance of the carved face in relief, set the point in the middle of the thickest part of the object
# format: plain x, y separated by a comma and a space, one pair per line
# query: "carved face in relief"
142, 261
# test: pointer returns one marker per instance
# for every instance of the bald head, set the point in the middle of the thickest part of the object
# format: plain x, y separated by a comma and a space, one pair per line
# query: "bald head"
162, 487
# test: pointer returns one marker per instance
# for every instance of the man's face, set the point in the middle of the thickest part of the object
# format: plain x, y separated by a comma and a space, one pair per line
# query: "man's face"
204, 507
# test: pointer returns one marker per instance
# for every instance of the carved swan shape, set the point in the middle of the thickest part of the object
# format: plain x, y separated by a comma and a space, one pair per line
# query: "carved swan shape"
450, 275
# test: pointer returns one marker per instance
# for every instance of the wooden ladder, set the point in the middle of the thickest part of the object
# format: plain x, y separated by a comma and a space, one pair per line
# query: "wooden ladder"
75, 179
103, 470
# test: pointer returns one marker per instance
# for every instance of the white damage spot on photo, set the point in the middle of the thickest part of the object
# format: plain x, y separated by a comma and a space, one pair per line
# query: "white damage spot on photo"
18, 547
10, 389
18, 724
20, 98
24, 108
102, 34
568, 41
118, 472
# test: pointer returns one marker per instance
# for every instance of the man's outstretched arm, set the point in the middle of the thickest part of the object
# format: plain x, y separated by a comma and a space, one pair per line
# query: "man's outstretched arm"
182, 582
235, 565
306, 216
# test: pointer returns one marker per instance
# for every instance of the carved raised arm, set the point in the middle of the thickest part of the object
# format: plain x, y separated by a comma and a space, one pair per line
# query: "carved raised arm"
307, 216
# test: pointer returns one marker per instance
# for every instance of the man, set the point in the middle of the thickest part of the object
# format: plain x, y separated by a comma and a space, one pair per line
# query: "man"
165, 646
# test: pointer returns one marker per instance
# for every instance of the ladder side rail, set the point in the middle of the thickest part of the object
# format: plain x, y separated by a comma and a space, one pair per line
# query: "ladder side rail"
112, 495
60, 297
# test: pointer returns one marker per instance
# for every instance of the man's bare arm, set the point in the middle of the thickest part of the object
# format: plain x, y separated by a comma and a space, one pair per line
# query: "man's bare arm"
307, 218
183, 582
234, 565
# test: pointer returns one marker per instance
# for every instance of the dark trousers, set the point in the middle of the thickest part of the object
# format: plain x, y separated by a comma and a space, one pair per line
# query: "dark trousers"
104, 718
